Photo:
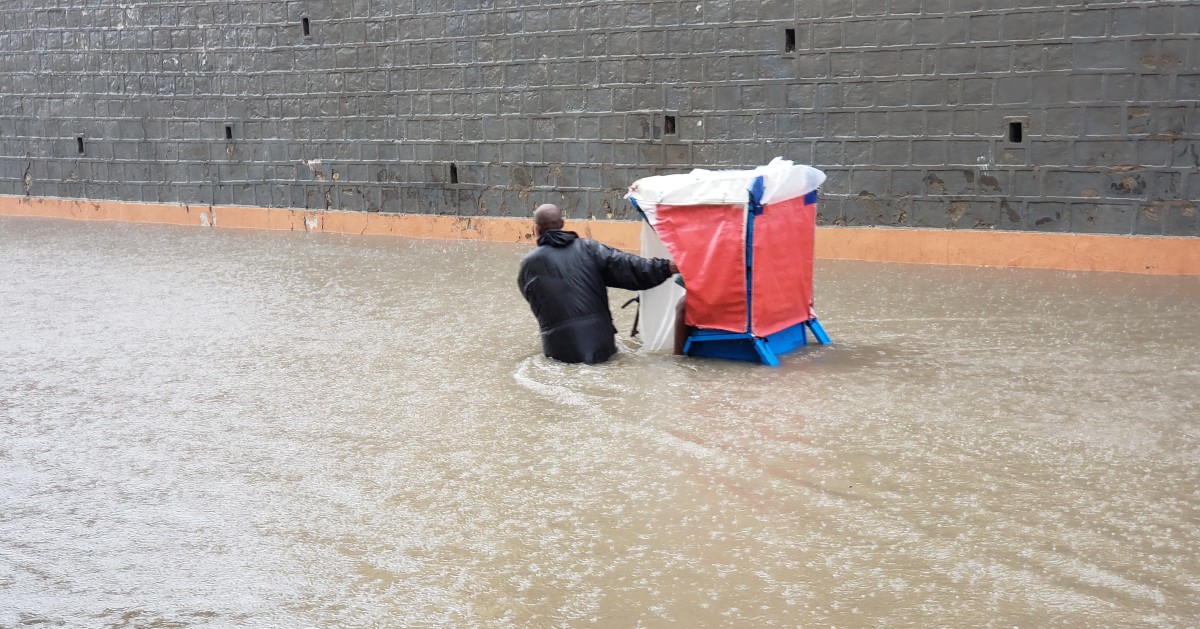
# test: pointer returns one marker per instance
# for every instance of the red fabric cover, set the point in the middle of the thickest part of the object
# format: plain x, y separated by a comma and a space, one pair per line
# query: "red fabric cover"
709, 246
783, 265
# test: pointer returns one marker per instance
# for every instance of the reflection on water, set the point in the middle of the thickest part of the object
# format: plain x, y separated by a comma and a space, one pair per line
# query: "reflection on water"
216, 428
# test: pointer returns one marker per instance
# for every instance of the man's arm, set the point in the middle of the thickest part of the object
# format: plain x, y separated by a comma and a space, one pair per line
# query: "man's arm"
625, 270
525, 280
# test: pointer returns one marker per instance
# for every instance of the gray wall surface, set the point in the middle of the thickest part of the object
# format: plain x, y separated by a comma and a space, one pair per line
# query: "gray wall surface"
908, 105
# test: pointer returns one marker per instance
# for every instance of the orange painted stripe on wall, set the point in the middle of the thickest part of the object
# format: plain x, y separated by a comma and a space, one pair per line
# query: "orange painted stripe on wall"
1149, 255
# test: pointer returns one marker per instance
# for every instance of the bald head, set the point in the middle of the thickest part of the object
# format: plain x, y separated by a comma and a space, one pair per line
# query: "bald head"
547, 217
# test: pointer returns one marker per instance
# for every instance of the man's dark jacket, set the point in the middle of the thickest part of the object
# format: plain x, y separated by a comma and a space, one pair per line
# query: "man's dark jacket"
564, 281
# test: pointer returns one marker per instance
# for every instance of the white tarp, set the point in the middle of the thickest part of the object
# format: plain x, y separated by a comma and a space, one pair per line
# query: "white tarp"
782, 180
656, 319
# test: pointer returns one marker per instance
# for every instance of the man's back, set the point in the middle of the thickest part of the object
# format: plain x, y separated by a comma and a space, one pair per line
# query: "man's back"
564, 281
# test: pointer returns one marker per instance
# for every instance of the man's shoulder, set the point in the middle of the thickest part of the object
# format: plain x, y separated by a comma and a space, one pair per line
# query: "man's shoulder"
529, 257
538, 252
589, 243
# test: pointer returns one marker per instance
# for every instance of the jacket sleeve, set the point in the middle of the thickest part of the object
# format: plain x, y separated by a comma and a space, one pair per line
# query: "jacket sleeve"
524, 281
625, 270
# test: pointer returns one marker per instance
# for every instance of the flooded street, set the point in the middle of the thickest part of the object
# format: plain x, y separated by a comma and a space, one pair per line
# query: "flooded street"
213, 428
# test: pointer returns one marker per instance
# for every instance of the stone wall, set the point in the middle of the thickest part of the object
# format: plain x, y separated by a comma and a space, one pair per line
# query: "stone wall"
1052, 115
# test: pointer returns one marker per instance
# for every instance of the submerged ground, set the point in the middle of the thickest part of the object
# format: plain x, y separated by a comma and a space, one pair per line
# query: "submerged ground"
223, 428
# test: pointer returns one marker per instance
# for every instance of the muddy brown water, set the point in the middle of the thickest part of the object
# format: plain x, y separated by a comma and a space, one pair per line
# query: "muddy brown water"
210, 428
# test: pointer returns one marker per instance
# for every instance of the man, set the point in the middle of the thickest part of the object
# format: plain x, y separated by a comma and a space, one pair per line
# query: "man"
564, 281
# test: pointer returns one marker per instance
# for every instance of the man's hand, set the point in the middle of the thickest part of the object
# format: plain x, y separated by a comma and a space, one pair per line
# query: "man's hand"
671, 265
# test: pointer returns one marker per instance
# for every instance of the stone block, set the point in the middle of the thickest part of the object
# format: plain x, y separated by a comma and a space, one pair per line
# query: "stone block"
837, 180
1104, 121
1187, 88
827, 36
896, 33
1149, 220
838, 8
840, 124
861, 34
1187, 18
891, 93
858, 94
958, 60
872, 123
1014, 90
892, 152
988, 28
1063, 123
1076, 184
1050, 90
957, 30
873, 181
1180, 217
909, 7
1162, 20
1087, 23
959, 182
1101, 55
928, 152
1047, 216
928, 92
1101, 153
1162, 153
907, 183
1083, 88
770, 10
977, 91
813, 66
927, 213
971, 153
928, 31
